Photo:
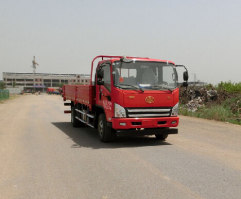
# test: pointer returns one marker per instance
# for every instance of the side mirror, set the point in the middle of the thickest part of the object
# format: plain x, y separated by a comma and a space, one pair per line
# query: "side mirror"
100, 74
185, 76
184, 84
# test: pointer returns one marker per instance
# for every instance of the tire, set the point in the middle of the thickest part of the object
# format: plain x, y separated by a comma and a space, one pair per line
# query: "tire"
74, 121
105, 132
161, 137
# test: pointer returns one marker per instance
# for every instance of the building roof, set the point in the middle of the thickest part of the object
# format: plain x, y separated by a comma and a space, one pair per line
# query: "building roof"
45, 74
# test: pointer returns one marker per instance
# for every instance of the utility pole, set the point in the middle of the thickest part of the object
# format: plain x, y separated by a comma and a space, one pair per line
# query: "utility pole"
34, 70
194, 78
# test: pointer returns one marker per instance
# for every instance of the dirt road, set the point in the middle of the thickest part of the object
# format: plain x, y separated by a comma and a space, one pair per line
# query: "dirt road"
42, 156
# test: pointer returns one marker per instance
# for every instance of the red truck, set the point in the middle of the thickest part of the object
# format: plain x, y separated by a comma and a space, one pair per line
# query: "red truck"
127, 96
53, 91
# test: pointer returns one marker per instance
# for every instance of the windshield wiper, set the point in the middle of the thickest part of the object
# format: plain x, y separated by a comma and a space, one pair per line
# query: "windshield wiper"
163, 87
137, 87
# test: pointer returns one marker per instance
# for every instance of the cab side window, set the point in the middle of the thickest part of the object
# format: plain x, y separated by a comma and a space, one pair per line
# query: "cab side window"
107, 80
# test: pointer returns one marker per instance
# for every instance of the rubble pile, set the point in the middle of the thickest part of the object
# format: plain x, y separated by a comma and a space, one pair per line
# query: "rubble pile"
194, 104
197, 97
224, 104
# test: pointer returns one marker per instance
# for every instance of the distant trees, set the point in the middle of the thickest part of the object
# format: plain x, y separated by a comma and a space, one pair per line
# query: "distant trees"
60, 85
2, 85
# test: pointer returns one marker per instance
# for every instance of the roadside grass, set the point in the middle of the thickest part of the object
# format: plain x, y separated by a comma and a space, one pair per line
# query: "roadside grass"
213, 112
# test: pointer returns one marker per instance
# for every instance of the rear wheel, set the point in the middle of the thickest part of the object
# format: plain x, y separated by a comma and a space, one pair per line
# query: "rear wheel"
106, 133
161, 137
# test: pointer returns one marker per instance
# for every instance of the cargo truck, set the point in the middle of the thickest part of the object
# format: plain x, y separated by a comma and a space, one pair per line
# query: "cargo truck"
127, 96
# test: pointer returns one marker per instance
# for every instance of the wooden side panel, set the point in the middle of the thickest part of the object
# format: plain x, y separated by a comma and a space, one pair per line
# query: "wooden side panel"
69, 92
82, 94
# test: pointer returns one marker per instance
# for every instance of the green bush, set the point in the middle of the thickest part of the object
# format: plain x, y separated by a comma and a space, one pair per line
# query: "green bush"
4, 94
2, 85
229, 87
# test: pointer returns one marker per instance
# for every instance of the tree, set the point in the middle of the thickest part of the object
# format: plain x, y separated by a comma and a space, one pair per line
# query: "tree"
60, 85
2, 85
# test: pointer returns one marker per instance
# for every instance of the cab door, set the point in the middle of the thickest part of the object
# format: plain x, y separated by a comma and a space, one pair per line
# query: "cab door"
103, 92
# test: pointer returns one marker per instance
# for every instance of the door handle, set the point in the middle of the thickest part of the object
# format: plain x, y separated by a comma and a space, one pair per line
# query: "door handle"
107, 96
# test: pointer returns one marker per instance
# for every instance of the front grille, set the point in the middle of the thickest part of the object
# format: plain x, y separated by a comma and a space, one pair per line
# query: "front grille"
148, 112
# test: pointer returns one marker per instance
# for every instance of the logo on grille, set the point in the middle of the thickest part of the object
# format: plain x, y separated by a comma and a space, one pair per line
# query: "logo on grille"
149, 99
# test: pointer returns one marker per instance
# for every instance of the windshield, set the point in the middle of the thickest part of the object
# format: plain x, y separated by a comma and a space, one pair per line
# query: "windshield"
144, 75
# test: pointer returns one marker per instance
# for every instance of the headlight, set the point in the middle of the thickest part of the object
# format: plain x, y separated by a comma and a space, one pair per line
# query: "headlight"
175, 110
119, 111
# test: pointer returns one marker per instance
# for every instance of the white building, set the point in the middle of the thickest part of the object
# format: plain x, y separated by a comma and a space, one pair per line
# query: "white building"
41, 81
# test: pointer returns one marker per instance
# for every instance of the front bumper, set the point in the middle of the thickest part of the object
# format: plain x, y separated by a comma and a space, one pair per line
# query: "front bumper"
151, 131
146, 123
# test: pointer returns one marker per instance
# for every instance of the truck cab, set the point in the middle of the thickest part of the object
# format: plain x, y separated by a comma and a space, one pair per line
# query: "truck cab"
138, 96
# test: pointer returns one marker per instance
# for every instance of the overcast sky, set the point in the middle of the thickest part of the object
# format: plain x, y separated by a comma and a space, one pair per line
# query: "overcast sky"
204, 35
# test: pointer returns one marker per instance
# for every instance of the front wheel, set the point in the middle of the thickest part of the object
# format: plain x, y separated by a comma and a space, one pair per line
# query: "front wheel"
106, 133
161, 137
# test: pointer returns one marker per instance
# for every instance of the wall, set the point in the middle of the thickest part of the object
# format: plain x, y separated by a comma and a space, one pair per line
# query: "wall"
15, 90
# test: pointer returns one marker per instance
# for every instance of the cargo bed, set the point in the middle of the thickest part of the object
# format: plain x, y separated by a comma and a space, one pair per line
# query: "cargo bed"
82, 94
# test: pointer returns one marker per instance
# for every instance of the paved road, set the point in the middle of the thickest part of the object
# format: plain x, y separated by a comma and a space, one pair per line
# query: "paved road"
42, 156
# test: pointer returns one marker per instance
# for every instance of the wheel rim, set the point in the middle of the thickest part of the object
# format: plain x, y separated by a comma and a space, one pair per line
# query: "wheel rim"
101, 128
